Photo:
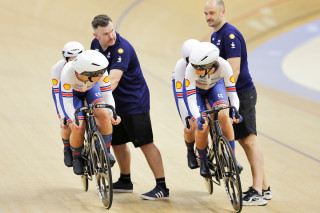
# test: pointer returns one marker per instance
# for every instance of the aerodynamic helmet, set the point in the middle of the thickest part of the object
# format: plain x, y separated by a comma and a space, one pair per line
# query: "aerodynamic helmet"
72, 48
187, 47
204, 56
90, 63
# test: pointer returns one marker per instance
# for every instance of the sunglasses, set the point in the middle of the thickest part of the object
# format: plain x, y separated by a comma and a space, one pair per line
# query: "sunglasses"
94, 74
205, 66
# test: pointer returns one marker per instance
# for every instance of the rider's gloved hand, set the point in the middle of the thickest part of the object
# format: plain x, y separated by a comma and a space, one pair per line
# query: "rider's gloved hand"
200, 125
235, 120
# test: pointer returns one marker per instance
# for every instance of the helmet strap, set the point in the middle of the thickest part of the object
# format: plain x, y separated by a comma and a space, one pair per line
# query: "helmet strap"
90, 79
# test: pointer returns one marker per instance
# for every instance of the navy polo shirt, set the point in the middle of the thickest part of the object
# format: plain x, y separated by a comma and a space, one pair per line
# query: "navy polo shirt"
232, 44
132, 93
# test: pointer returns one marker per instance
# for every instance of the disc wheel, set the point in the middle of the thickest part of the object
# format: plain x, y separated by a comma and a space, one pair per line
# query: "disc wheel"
230, 174
102, 170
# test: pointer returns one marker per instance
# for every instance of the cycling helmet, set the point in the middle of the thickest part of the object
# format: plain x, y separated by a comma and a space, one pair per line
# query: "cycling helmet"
90, 63
204, 56
187, 47
72, 48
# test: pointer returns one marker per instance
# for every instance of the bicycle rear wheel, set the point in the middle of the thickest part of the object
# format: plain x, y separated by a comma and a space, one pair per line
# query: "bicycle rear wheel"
230, 173
102, 169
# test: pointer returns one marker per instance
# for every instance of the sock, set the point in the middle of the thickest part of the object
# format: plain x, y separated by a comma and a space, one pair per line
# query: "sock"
125, 178
233, 146
161, 182
76, 152
66, 143
107, 140
190, 147
203, 154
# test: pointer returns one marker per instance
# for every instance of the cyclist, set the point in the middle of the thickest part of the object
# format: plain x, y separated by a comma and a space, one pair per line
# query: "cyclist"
209, 77
69, 52
177, 85
86, 78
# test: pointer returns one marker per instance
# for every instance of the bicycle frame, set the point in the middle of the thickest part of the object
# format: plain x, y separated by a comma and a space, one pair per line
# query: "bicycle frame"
225, 166
95, 155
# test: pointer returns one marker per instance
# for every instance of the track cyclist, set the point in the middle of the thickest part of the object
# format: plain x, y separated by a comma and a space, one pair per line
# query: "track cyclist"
210, 78
86, 78
177, 85
69, 52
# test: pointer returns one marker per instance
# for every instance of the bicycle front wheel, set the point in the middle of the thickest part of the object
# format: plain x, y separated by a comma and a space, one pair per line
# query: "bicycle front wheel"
230, 173
102, 169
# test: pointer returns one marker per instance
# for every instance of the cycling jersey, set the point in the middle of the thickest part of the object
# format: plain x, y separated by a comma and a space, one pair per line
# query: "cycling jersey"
71, 85
56, 77
178, 91
197, 84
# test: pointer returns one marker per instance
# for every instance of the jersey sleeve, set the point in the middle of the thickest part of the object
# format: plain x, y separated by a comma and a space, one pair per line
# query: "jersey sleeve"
190, 86
232, 45
106, 91
227, 75
67, 81
55, 78
121, 58
179, 73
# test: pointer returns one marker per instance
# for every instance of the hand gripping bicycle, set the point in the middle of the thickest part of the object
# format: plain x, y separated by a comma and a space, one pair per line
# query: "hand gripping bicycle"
222, 163
95, 156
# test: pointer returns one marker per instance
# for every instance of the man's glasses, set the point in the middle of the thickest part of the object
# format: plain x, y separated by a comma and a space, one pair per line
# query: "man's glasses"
205, 66
95, 73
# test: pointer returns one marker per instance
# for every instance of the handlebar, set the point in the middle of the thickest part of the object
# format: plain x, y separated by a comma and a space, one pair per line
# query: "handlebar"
217, 109
92, 107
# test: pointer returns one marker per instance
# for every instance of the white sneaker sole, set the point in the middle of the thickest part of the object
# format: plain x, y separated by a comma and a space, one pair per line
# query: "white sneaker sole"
255, 203
153, 198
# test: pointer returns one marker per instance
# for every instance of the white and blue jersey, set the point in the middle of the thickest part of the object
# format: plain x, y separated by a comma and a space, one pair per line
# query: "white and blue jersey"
232, 44
56, 77
214, 88
73, 91
179, 91
132, 93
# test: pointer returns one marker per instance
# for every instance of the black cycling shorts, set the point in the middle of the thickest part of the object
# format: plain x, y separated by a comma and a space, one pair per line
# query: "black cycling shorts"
247, 110
133, 128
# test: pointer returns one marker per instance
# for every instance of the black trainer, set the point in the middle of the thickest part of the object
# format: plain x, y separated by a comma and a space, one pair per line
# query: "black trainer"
68, 157
157, 193
253, 198
78, 167
204, 168
192, 161
121, 187
111, 159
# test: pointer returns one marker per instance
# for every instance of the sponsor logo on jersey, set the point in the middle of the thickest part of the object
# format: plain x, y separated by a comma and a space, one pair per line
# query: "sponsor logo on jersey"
187, 82
106, 79
232, 79
119, 59
120, 50
178, 85
108, 56
231, 36
54, 82
66, 86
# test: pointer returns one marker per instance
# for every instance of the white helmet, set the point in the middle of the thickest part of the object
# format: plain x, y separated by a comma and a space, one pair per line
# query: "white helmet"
91, 63
187, 47
72, 48
204, 56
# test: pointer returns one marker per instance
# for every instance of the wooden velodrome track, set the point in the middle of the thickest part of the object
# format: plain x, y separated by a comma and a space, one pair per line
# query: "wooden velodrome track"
33, 177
